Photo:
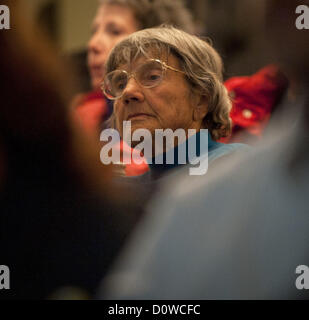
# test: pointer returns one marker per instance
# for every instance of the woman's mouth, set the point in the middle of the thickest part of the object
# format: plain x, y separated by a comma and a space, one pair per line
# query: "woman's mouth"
138, 116
96, 69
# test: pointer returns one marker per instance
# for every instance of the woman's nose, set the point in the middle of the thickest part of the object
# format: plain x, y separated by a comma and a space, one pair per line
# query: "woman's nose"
94, 44
132, 92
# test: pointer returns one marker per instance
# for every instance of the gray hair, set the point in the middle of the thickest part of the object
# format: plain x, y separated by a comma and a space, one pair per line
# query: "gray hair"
198, 59
152, 13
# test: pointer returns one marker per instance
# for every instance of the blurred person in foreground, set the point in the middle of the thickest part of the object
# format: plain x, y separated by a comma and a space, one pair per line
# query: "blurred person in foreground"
241, 233
61, 220
166, 79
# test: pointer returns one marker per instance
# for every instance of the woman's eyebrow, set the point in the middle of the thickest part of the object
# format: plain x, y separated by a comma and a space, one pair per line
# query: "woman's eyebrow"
114, 25
111, 24
122, 67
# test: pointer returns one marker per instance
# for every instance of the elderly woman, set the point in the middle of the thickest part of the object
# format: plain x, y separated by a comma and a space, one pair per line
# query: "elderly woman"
164, 78
115, 20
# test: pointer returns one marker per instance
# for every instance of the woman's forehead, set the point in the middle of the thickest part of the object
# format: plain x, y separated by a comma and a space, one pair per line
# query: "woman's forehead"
121, 14
140, 59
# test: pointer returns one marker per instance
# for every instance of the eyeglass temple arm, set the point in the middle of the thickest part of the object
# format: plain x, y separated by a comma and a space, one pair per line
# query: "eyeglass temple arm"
171, 68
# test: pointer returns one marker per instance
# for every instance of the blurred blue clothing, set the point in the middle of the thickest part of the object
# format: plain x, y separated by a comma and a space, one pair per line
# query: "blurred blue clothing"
206, 149
148, 184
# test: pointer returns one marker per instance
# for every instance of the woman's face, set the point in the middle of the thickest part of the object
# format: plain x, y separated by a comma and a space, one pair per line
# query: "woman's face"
111, 24
170, 105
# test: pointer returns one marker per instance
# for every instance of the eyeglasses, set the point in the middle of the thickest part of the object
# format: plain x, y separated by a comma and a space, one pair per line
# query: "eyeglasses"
150, 74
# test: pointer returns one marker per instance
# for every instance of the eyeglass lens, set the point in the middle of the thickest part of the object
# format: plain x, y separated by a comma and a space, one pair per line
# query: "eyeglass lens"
148, 75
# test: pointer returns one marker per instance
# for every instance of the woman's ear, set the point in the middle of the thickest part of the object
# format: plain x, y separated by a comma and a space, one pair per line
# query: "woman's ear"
200, 108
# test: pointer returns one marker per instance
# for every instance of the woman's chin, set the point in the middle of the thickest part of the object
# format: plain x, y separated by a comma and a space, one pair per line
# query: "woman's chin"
96, 84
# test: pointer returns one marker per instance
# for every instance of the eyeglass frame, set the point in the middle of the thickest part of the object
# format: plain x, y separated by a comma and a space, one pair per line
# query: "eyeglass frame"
132, 74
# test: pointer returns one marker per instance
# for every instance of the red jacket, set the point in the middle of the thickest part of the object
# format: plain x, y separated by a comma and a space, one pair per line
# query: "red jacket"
254, 99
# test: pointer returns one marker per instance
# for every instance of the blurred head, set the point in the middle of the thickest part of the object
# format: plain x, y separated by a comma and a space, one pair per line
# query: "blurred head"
116, 19
182, 90
39, 138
